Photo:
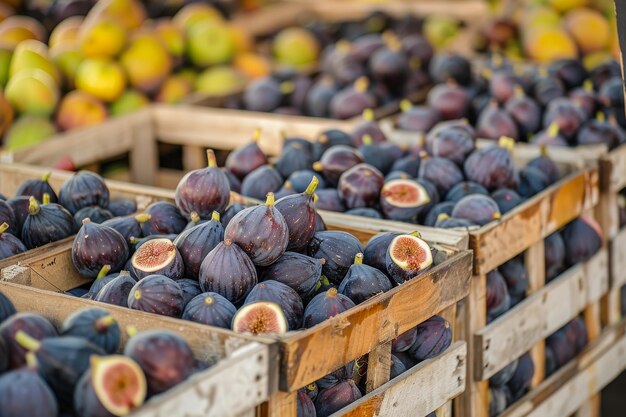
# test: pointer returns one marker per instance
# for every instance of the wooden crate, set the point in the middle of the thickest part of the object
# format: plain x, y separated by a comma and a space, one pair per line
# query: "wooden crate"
240, 377
365, 329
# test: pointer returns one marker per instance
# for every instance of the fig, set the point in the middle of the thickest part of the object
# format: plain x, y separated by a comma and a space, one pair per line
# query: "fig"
375, 252
338, 249
515, 275
550, 137
571, 72
333, 399
95, 214
360, 186
194, 244
365, 212
165, 218
600, 132
506, 199
7, 309
504, 375
367, 130
546, 165
164, 357
300, 180
117, 290
157, 294
293, 158
451, 143
525, 112
434, 336
210, 308
585, 98
498, 299
440, 171
113, 386
228, 271
265, 179
417, 118
408, 256
464, 189
450, 100
101, 280
389, 64
582, 238
328, 139
9, 244
46, 223
247, 158
403, 342
497, 400
444, 221
547, 89
96, 245
203, 190
122, 207
36, 188
531, 181
95, 325
492, 166
461, 124
37, 326
375, 155
611, 93
299, 214
311, 390
450, 66
554, 255
128, 226
352, 100
477, 208
329, 199
444, 207
337, 160
431, 190
409, 164
502, 84
261, 231
566, 114
305, 406
83, 189
233, 182
61, 361
284, 296
24, 393
191, 289
230, 213
403, 200
494, 122
522, 377
260, 318
300, 272
19, 206
363, 281
407, 360
324, 306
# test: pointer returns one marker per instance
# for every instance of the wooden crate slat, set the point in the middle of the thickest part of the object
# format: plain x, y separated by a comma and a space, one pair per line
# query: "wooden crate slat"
618, 260
614, 167
540, 315
429, 384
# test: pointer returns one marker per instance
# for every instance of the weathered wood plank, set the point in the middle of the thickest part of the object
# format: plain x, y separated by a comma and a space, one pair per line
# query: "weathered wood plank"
617, 248
378, 366
616, 164
534, 259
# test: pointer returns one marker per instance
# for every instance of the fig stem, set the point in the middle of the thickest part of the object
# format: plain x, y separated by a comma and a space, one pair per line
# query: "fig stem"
210, 156
45, 177
270, 199
143, 217
286, 87
506, 142
133, 240
131, 331
368, 115
123, 272
209, 299
367, 139
4, 227
104, 271
27, 342
442, 216
600, 116
195, 218
86, 220
318, 166
322, 139
310, 189
361, 84
332, 292
33, 206
543, 150
416, 234
103, 323
215, 216
553, 129
588, 85
358, 259
496, 216
405, 105
31, 360
45, 199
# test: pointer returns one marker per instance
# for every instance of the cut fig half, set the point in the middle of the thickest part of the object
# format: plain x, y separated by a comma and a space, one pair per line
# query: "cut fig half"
403, 199
407, 256
260, 318
119, 383
157, 256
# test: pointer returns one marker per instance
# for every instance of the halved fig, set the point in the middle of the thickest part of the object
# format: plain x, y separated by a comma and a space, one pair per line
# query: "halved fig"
114, 382
157, 256
260, 318
408, 256
403, 199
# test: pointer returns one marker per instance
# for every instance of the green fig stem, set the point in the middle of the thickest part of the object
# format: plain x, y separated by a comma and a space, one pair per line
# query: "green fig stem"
318, 166
270, 199
209, 300
496, 216
195, 218
600, 116
361, 84
442, 216
518, 91
424, 155
4, 227
405, 105
310, 189
358, 259
45, 199
322, 139
124, 272
45, 177
137, 295
332, 292
131, 331
315, 198
553, 129
543, 150
288, 186
256, 135
143, 217
133, 240
31, 360
210, 156
416, 234
103, 323
104, 271
27, 342
33, 206
368, 115
286, 87
367, 139
215, 216
86, 220
506, 142
588, 85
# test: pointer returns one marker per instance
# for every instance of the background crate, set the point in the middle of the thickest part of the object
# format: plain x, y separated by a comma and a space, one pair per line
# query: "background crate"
240, 377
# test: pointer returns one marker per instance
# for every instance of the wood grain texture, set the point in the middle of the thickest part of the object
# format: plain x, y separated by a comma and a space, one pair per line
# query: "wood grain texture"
616, 168
378, 366
534, 259
429, 385
617, 248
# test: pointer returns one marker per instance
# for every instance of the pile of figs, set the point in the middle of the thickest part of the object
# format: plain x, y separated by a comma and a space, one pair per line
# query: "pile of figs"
36, 215
510, 384
81, 368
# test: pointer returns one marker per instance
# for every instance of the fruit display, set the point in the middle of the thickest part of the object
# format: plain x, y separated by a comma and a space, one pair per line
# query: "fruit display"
510, 384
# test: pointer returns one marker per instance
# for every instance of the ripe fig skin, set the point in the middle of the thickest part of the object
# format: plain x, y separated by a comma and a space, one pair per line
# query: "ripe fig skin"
324, 306
95, 325
24, 393
19, 205
122, 207
333, 399
492, 167
498, 298
418, 119
191, 289
568, 116
165, 218
338, 249
444, 207
228, 271
9, 244
363, 282
37, 187
329, 199
503, 376
305, 405
194, 244
515, 274
531, 181
128, 226
463, 189
93, 213
583, 239
337, 160
245, 159
283, 295
450, 143
477, 208
83, 189
298, 211
230, 213
293, 158
403, 342
8, 216
35, 325
86, 402
442, 172
157, 294
48, 223
554, 255
434, 336
365, 212
165, 358
265, 179
210, 308
7, 309
360, 186
116, 291
506, 199
300, 272
328, 139
96, 245
523, 375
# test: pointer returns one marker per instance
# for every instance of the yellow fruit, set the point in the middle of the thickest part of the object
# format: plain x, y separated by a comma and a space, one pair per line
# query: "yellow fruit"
33, 54
146, 62
28, 131
565, 5
172, 36
440, 30
218, 81
295, 47
5, 63
32, 91
174, 89
66, 32
210, 43
252, 65
15, 29
5, 11
79, 109
129, 102
102, 39
590, 30
547, 45
102, 78
67, 59
129, 13
242, 39
594, 59
6, 114
537, 17
194, 13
